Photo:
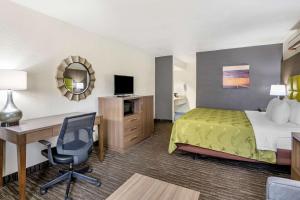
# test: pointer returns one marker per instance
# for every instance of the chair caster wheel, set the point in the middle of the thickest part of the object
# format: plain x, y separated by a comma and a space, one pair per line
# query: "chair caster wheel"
43, 191
98, 184
90, 170
68, 198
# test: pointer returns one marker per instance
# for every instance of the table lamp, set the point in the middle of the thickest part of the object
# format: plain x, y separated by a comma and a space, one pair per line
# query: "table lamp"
278, 90
11, 80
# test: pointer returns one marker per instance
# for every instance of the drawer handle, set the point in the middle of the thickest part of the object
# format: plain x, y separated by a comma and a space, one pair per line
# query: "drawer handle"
133, 138
133, 119
133, 129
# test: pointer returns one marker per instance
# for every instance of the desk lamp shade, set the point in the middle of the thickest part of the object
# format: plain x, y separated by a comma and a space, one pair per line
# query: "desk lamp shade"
11, 80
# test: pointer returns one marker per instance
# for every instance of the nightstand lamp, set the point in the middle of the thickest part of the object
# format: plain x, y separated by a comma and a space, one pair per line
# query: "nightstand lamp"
278, 90
11, 80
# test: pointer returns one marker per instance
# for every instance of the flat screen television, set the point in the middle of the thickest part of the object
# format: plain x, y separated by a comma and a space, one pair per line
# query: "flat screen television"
123, 85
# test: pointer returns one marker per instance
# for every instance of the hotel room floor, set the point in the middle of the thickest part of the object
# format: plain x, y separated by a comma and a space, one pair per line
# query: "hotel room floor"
214, 178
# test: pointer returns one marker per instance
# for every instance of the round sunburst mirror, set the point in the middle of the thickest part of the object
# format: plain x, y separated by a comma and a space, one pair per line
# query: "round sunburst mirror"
75, 78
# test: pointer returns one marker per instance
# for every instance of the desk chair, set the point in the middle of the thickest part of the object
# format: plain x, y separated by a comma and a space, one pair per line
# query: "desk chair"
74, 144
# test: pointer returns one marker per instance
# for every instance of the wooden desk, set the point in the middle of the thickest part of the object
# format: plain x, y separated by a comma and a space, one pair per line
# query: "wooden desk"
143, 187
33, 130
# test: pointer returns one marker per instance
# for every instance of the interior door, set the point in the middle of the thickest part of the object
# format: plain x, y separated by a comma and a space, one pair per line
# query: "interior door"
163, 87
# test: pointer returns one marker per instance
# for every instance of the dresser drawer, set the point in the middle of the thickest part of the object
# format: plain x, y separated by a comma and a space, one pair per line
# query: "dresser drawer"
132, 138
132, 121
133, 130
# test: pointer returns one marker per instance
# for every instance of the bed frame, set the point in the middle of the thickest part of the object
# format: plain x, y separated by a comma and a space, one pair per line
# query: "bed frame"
283, 156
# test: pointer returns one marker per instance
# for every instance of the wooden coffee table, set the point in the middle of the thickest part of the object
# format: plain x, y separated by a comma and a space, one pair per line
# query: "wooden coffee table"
140, 187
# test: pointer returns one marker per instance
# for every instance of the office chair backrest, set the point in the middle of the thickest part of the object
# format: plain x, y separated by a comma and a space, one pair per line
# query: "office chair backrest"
76, 137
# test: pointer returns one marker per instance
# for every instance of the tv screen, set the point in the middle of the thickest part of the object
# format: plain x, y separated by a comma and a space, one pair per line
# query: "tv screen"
123, 85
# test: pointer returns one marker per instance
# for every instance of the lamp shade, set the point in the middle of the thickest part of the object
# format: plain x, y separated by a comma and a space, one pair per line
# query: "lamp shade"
278, 90
79, 86
13, 80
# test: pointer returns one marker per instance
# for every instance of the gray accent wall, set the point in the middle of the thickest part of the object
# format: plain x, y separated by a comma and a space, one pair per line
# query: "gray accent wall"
265, 65
163, 87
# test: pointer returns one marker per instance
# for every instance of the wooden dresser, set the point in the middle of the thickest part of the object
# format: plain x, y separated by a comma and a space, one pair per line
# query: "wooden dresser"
124, 130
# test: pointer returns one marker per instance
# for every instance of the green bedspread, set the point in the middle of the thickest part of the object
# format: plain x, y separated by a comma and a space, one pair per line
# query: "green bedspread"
227, 131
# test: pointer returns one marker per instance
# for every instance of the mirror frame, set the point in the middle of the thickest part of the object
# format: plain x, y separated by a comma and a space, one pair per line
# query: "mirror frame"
60, 78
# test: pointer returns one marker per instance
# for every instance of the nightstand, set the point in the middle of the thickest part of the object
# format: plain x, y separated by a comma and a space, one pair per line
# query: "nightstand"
295, 165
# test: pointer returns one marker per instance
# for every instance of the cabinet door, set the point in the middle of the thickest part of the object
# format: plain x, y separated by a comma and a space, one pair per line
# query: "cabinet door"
147, 116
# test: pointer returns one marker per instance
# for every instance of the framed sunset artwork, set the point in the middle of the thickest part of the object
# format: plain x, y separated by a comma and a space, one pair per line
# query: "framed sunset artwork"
236, 76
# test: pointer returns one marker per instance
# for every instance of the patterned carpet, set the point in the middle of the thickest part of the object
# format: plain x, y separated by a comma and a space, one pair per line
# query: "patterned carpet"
214, 178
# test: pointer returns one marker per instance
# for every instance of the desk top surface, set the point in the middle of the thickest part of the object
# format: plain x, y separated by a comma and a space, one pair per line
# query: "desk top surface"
147, 188
40, 123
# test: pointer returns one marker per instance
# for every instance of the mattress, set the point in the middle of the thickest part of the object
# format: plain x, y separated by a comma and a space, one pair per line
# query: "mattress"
227, 131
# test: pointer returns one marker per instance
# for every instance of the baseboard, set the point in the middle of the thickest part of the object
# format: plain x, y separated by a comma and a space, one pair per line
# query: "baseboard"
30, 170
162, 120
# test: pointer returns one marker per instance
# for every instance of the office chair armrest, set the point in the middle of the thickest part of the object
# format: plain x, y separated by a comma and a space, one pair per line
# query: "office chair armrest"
45, 142
48, 145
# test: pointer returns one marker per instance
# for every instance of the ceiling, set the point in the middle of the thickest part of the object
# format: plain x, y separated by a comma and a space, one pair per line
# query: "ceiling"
178, 27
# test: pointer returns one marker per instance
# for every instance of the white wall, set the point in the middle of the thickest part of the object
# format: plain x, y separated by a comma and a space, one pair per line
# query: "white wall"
38, 43
190, 76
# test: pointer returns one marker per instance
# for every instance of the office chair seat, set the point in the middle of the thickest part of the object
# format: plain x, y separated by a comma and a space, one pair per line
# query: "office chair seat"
58, 158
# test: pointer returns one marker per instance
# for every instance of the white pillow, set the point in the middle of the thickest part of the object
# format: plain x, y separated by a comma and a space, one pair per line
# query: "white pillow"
280, 112
270, 106
289, 101
295, 113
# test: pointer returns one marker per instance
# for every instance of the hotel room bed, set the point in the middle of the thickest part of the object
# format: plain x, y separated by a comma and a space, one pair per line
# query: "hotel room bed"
238, 135
233, 135
226, 131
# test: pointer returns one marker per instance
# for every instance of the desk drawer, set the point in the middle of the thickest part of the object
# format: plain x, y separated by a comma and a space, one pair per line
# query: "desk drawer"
56, 130
39, 135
